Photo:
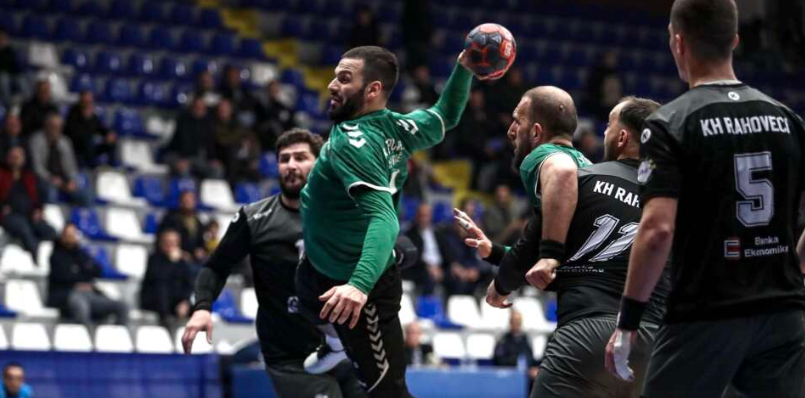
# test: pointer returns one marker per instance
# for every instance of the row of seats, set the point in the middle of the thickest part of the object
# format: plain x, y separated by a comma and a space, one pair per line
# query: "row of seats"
179, 13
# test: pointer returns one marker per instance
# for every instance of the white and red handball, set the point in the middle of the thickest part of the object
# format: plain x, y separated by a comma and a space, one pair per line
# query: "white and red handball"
491, 49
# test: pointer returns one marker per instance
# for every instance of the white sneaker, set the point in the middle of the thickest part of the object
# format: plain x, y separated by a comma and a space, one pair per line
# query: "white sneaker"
323, 359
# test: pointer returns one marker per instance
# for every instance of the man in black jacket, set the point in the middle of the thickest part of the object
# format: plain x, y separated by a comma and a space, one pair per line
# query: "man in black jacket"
70, 283
167, 284
192, 147
185, 221
35, 111
427, 271
91, 139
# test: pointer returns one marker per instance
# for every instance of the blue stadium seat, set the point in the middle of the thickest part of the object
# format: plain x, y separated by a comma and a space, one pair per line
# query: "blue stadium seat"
308, 101
153, 94
122, 9
108, 62
141, 65
153, 11
180, 95
118, 90
35, 27
82, 82
409, 206
162, 39
151, 189
222, 44
132, 36
274, 190
442, 212
203, 65
182, 14
293, 77
75, 58
251, 49
176, 187
192, 41
101, 256
99, 32
173, 69
210, 18
430, 307
247, 192
227, 308
129, 122
67, 29
268, 165
151, 223
89, 224
91, 9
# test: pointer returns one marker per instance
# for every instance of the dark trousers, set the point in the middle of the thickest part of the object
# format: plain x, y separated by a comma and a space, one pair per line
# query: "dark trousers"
290, 380
86, 306
375, 345
28, 231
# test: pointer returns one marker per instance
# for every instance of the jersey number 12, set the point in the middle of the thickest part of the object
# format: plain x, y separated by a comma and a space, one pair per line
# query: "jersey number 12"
605, 225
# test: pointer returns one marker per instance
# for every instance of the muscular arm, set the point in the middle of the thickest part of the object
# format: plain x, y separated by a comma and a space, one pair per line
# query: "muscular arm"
380, 237
651, 248
519, 259
559, 187
230, 252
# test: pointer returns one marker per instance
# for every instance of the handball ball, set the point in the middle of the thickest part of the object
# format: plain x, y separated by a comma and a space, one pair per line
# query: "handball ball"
491, 48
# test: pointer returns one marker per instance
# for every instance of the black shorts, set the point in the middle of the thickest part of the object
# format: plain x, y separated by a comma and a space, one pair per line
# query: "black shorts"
573, 365
376, 343
291, 381
761, 356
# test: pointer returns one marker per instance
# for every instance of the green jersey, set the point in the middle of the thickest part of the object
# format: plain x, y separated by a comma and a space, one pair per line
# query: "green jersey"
532, 164
370, 152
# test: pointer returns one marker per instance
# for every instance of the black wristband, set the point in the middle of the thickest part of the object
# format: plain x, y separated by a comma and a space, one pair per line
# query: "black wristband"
631, 312
552, 249
496, 256
203, 305
499, 289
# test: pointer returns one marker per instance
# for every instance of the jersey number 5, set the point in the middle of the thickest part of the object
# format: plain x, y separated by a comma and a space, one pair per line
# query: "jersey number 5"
758, 208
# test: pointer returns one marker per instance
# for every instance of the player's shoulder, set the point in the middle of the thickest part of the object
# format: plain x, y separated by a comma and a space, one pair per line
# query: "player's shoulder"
261, 207
356, 136
623, 169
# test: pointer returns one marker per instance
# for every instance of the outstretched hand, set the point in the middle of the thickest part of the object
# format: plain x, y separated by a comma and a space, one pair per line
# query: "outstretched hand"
477, 239
464, 60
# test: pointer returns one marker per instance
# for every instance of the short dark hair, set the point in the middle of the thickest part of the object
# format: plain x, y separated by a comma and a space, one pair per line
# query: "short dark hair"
710, 26
634, 112
11, 365
556, 116
296, 136
379, 64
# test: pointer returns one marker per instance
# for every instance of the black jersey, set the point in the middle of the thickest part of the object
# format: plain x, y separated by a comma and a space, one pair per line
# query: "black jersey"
733, 158
271, 234
590, 281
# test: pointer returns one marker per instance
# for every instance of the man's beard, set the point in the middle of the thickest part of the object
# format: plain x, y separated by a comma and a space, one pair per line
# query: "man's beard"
292, 192
521, 151
348, 108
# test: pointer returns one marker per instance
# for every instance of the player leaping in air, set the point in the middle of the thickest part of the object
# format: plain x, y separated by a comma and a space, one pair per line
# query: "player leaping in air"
349, 217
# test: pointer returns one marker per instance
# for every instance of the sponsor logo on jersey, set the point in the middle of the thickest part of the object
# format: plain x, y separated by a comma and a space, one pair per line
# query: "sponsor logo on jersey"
734, 96
236, 218
354, 135
293, 305
644, 171
262, 214
645, 136
732, 249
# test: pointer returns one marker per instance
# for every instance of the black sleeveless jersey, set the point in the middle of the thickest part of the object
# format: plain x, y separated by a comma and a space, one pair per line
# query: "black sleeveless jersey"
733, 157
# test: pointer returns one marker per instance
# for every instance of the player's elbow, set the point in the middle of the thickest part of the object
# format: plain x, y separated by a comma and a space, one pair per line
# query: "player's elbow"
657, 233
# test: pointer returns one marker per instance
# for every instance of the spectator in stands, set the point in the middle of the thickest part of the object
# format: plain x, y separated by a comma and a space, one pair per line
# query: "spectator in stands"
417, 29
211, 239
234, 89
590, 145
365, 29
11, 135
21, 208
501, 220
416, 353
604, 87
70, 283
427, 272
191, 151
9, 68
274, 116
94, 143
185, 221
465, 270
205, 88
36, 110
54, 162
14, 382
237, 148
167, 284
513, 349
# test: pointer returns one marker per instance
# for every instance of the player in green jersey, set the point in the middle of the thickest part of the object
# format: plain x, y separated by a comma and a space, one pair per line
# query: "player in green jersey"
349, 217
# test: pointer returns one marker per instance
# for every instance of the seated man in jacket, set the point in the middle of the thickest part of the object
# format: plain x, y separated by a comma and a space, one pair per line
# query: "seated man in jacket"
70, 283
94, 143
53, 160
167, 285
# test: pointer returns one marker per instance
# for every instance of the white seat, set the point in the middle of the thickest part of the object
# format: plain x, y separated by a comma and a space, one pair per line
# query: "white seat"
138, 154
30, 336
43, 255
3, 340
43, 55
463, 310
72, 337
200, 345
113, 338
23, 296
248, 303
481, 346
16, 261
538, 344
407, 313
124, 224
113, 186
53, 216
449, 345
154, 340
533, 315
109, 289
217, 194
494, 318
131, 260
